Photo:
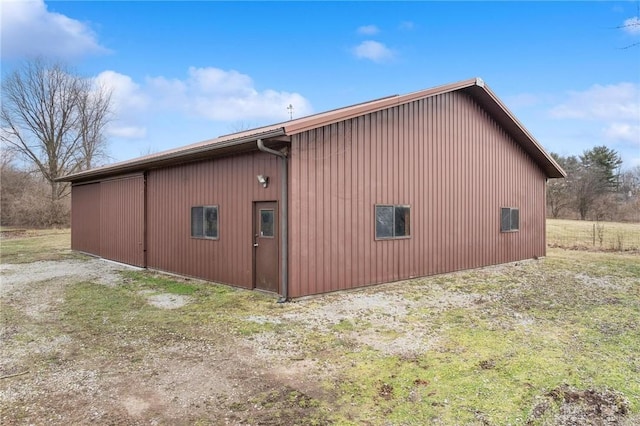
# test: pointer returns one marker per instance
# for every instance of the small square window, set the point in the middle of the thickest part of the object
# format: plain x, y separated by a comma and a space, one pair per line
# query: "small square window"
509, 219
267, 223
392, 222
204, 222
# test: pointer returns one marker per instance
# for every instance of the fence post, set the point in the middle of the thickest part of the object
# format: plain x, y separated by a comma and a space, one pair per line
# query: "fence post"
594, 234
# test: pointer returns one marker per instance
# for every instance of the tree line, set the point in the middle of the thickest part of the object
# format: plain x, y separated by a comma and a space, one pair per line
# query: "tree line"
595, 188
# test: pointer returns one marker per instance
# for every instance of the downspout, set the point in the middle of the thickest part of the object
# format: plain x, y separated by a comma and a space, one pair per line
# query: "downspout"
284, 218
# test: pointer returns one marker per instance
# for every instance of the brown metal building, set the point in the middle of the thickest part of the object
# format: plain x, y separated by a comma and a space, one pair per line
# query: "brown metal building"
434, 181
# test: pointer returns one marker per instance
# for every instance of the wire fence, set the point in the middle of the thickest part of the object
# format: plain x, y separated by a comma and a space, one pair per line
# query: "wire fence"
606, 236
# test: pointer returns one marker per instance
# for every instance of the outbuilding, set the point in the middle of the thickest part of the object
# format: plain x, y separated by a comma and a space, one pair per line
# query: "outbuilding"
434, 181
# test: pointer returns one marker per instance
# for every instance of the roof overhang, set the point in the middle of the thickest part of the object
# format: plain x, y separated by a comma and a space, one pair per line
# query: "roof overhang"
496, 109
246, 141
229, 145
475, 87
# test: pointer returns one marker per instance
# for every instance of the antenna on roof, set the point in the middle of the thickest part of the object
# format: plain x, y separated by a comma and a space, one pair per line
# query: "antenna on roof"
290, 109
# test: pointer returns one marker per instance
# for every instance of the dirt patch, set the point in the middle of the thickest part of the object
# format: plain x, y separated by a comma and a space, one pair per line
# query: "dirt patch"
571, 407
165, 300
17, 276
61, 379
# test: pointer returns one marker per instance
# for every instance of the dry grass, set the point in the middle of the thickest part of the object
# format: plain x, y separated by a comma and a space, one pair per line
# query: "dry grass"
584, 234
19, 245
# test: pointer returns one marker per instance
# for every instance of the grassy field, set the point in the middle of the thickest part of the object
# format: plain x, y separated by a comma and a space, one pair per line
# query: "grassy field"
520, 344
584, 234
30, 245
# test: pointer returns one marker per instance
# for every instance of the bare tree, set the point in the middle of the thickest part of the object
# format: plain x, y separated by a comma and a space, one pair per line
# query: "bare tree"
559, 191
240, 126
94, 116
54, 120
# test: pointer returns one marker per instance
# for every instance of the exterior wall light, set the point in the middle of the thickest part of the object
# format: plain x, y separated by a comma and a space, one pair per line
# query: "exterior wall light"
263, 180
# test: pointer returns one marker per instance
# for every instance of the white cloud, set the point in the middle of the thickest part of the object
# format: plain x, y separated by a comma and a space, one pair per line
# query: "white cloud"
126, 95
215, 80
162, 113
615, 107
221, 95
129, 104
29, 29
368, 30
209, 93
127, 132
632, 25
624, 132
373, 50
612, 102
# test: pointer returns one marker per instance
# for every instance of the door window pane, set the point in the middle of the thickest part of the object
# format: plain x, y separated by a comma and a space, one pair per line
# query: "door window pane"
267, 218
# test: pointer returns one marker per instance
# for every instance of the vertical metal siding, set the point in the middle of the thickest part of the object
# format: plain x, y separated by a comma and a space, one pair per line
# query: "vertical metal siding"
122, 220
230, 183
444, 156
85, 218
108, 219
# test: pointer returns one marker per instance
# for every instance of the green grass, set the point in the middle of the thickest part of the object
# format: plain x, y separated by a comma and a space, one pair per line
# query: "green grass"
35, 245
615, 236
162, 283
571, 319
568, 319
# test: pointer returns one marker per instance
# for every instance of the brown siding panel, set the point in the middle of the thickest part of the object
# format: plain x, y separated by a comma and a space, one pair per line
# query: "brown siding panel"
85, 218
108, 219
442, 155
445, 156
230, 183
122, 220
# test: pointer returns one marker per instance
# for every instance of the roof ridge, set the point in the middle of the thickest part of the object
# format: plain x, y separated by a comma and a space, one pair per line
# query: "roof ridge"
224, 144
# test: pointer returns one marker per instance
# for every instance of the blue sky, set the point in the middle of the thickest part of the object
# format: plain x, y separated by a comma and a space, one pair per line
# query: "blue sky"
182, 72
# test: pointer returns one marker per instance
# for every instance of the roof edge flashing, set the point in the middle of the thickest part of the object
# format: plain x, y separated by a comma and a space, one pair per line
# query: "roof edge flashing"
480, 82
555, 171
144, 163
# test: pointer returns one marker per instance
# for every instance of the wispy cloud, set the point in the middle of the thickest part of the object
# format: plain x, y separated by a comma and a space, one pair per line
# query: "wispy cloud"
616, 107
127, 132
631, 25
523, 100
29, 29
625, 132
368, 30
374, 51
406, 26
614, 101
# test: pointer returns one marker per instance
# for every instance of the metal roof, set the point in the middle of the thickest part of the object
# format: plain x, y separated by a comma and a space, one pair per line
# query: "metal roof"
245, 141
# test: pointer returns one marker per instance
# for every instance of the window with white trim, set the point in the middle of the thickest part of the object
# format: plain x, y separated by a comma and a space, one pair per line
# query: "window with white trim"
204, 222
392, 221
509, 219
